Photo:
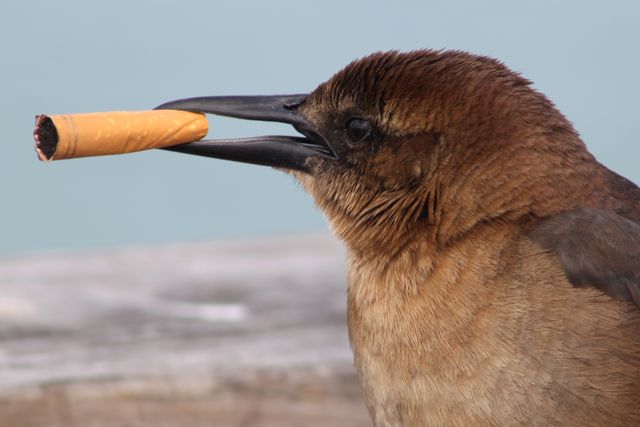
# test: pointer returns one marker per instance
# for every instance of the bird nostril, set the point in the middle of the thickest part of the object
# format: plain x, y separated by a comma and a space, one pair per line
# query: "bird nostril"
292, 105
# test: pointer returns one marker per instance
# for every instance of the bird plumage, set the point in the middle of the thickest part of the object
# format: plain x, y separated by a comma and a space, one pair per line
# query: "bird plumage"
493, 263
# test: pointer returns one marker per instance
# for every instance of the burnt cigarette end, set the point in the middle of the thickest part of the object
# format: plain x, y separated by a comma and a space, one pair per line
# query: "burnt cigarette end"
46, 137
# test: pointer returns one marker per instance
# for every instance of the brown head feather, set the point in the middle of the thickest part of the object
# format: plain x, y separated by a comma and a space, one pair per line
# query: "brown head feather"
461, 140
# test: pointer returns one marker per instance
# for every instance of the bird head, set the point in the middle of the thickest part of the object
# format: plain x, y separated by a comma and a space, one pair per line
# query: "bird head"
425, 143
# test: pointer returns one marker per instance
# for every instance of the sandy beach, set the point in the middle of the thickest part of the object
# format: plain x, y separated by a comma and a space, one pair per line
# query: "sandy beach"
236, 333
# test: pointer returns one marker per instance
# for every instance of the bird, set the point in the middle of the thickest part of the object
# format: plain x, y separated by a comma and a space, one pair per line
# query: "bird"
493, 263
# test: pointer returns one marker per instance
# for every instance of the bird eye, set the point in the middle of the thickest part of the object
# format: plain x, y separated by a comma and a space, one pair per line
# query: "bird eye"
358, 129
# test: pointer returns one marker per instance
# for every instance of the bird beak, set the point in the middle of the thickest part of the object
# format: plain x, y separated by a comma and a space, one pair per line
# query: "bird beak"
290, 152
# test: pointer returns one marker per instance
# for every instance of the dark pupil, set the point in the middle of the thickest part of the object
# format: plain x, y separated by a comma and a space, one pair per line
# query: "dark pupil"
358, 129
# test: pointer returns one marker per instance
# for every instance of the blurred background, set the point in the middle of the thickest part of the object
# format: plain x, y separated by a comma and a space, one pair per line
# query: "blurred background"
163, 289
78, 56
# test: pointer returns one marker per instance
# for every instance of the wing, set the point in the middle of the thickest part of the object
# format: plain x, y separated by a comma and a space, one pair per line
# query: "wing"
597, 248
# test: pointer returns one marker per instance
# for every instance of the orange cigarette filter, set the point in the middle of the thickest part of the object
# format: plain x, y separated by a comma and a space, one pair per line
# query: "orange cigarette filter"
67, 136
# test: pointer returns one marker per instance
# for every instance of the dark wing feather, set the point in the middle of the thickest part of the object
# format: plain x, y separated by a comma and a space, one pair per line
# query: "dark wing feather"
597, 248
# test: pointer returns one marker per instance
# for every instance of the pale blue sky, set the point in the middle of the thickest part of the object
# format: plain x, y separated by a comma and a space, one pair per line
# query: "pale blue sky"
81, 56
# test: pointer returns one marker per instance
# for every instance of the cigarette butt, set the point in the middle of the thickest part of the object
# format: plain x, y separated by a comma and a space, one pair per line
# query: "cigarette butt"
67, 136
